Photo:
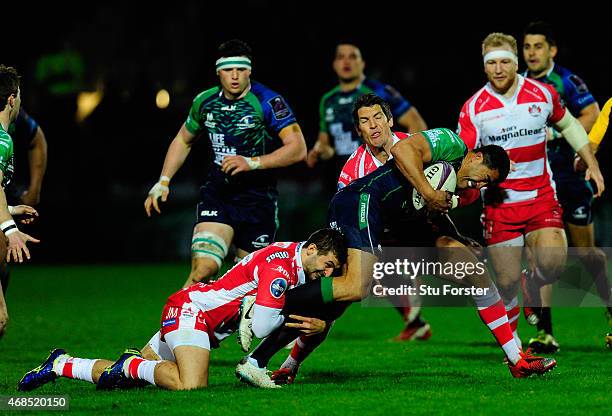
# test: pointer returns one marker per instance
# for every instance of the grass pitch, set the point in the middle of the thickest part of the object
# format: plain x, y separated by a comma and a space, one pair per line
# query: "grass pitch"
97, 311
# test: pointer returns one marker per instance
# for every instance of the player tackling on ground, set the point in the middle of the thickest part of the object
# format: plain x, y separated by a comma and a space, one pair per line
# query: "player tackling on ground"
198, 318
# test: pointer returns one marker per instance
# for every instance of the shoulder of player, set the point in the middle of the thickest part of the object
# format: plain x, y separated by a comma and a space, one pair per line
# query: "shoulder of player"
207, 94
538, 88
262, 92
329, 94
481, 96
5, 137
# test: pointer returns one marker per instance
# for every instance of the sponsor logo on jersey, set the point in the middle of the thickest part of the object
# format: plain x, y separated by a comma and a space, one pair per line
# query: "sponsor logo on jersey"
229, 107
345, 100
207, 213
278, 287
282, 245
282, 271
580, 213
210, 123
261, 241
246, 122
434, 136
280, 109
329, 114
278, 255
363, 210
534, 110
168, 322
504, 137
579, 84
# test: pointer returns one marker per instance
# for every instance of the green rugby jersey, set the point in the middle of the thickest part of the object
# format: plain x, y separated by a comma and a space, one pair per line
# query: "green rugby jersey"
248, 127
6, 157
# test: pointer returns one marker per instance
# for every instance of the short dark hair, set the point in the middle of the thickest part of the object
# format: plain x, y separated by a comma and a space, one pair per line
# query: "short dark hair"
328, 239
495, 157
9, 84
541, 28
234, 47
370, 100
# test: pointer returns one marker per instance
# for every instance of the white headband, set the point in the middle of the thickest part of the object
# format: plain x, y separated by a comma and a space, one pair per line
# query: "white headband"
500, 54
233, 62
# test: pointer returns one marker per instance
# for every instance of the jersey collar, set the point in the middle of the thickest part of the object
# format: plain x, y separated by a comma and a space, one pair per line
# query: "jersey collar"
297, 261
519, 85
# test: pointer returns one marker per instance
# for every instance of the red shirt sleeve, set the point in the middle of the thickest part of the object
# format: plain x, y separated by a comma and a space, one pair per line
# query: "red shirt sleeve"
466, 129
559, 109
273, 282
347, 173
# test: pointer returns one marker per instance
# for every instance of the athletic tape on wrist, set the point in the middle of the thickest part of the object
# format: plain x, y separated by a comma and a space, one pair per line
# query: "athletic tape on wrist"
8, 227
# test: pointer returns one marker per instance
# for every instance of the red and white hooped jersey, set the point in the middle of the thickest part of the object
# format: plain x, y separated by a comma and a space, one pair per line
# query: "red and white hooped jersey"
267, 273
517, 124
363, 162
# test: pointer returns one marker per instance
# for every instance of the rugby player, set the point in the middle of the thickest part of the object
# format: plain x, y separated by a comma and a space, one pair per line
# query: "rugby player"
370, 155
252, 130
16, 250
337, 138
362, 209
28, 138
513, 111
575, 194
198, 318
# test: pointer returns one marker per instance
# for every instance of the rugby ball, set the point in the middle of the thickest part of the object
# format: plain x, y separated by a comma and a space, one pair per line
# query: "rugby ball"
441, 176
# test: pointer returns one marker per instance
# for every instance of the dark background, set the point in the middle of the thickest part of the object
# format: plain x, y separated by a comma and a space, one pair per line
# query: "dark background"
99, 171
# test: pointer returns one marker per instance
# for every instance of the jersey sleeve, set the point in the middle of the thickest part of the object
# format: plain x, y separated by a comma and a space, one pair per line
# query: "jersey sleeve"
577, 94
444, 145
347, 173
6, 150
194, 123
277, 113
558, 110
598, 131
399, 105
25, 126
466, 128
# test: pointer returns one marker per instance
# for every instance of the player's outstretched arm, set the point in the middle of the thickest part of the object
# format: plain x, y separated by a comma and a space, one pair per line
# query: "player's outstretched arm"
175, 157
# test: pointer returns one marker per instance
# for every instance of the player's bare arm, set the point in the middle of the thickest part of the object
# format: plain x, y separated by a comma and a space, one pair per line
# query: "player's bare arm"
37, 156
412, 121
409, 156
292, 151
175, 157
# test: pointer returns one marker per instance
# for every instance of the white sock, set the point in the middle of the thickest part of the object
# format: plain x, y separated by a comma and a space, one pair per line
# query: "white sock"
140, 369
76, 368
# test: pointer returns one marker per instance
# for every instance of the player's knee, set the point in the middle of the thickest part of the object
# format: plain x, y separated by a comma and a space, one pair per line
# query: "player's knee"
551, 267
208, 246
202, 271
171, 377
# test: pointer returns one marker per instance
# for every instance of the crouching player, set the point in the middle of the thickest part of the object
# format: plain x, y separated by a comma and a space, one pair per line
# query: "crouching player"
201, 316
